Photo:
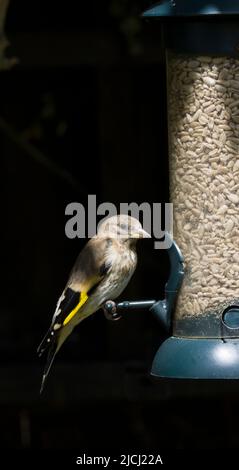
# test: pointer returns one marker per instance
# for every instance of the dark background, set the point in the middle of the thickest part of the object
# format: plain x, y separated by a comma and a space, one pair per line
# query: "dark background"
84, 112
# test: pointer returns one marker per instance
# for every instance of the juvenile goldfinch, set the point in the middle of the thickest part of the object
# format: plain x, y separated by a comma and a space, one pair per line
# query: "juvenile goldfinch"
101, 272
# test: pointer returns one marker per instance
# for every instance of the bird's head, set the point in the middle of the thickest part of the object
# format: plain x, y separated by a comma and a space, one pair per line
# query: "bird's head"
123, 228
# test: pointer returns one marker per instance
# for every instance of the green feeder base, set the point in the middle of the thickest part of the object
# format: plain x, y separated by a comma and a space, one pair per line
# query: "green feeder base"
197, 358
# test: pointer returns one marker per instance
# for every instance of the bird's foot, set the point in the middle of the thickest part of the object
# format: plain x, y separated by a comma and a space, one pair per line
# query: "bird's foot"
110, 311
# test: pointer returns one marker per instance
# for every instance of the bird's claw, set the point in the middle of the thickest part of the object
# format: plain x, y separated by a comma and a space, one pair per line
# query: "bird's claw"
110, 311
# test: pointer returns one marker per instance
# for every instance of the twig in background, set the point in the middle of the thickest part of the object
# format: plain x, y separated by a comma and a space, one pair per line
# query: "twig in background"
5, 62
40, 157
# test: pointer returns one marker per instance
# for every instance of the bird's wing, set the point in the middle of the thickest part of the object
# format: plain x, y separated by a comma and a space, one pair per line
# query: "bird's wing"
90, 269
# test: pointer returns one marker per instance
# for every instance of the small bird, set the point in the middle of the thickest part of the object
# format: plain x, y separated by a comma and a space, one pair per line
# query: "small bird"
101, 272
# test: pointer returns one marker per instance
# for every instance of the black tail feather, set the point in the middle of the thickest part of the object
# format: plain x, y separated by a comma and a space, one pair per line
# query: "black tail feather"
50, 358
47, 341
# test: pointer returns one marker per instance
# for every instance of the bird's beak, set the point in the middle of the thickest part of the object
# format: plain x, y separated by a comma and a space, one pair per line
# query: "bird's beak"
143, 234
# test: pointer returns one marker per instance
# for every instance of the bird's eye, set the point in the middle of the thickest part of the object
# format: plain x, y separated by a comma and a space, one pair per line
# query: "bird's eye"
124, 226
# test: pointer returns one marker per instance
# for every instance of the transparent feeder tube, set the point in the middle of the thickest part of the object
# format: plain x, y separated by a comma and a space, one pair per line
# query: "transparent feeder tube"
203, 123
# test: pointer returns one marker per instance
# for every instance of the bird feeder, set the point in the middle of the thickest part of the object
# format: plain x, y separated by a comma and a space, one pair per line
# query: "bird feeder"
202, 57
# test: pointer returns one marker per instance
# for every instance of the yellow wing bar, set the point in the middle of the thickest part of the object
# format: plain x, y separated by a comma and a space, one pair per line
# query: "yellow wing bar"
83, 299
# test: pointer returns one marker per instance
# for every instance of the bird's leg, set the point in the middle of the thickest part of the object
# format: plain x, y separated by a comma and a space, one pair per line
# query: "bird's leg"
110, 311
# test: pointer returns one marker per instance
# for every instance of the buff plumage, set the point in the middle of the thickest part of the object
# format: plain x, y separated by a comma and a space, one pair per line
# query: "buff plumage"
101, 272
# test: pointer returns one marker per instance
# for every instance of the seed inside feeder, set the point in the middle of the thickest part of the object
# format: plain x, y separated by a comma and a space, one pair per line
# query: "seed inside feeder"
203, 104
